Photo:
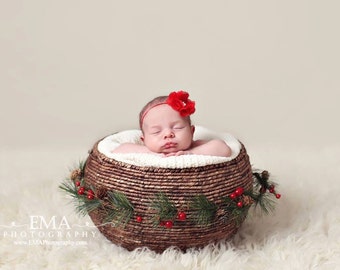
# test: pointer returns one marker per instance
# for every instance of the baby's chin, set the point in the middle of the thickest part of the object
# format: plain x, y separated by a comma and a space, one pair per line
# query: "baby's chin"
168, 151
171, 150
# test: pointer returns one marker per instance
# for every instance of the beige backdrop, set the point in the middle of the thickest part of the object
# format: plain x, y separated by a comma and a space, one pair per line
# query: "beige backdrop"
72, 72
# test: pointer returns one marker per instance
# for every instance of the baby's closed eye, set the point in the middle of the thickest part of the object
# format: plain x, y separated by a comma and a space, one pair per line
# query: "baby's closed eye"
178, 127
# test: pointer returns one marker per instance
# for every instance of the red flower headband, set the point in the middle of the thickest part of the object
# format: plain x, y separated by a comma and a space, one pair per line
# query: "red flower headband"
179, 101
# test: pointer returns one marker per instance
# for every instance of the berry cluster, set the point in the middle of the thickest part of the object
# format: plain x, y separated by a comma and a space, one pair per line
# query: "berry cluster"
271, 189
181, 216
263, 181
236, 196
81, 191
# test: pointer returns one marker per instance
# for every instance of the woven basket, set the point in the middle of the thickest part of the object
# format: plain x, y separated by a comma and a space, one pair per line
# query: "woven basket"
140, 184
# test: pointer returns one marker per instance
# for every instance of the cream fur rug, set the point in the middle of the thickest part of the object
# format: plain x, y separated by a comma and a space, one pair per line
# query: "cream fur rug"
39, 229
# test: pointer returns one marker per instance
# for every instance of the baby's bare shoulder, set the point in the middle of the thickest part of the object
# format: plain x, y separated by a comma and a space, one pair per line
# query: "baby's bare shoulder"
212, 141
198, 143
214, 147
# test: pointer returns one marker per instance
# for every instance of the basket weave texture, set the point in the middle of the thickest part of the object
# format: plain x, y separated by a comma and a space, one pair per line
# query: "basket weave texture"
140, 184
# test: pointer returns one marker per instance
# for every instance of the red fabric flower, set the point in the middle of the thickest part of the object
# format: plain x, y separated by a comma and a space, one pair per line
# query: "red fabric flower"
180, 102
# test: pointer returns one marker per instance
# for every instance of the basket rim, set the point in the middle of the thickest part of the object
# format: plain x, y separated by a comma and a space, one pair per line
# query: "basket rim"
103, 157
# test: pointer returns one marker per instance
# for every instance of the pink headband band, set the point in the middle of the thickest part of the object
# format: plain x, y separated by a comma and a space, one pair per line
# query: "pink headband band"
179, 101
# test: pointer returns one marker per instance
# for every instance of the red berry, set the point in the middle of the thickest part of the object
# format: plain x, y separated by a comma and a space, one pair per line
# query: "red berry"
233, 196
182, 216
139, 219
90, 191
77, 183
81, 190
169, 224
90, 196
240, 204
278, 196
162, 223
239, 191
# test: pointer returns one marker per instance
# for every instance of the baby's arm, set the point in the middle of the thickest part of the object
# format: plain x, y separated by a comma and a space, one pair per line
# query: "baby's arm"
131, 148
214, 147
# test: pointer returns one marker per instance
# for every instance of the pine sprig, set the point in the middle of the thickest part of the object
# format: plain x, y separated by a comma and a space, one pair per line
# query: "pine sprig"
262, 181
163, 208
83, 205
204, 211
120, 210
264, 201
233, 212
86, 206
69, 188
262, 184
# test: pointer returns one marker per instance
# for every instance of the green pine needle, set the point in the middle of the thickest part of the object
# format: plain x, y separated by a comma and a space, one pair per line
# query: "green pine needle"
121, 210
163, 208
86, 206
69, 188
265, 202
204, 210
233, 212
83, 205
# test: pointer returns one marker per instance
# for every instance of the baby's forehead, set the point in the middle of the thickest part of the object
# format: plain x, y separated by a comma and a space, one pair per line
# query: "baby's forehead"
162, 112
165, 122
163, 115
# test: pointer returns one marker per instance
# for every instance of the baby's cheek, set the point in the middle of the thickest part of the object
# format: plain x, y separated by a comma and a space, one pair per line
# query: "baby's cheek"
189, 140
154, 146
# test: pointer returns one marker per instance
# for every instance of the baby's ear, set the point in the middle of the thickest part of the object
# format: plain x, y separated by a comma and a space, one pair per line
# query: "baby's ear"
192, 129
142, 138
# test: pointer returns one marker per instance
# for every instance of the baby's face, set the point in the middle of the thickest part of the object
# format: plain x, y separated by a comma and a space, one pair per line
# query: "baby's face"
165, 131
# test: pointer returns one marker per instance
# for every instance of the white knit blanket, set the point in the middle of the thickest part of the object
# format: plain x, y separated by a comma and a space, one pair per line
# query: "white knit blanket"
110, 142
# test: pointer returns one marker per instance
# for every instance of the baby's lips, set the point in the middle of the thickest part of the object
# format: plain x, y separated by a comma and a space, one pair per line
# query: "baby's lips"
169, 145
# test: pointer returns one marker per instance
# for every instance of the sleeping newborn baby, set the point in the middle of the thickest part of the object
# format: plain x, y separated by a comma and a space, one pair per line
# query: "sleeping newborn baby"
166, 129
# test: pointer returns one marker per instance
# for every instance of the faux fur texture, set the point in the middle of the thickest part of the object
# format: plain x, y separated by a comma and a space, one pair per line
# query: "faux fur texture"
40, 230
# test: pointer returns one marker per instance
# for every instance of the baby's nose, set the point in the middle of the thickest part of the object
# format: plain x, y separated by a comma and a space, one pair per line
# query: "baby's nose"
169, 134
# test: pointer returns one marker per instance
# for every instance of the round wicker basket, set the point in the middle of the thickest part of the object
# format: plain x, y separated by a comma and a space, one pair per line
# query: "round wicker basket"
140, 184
